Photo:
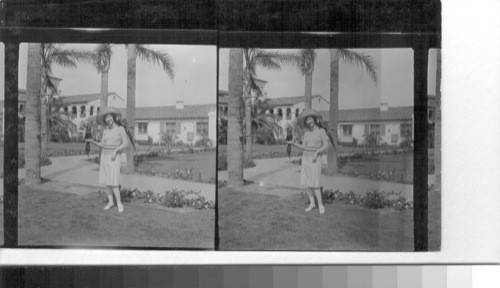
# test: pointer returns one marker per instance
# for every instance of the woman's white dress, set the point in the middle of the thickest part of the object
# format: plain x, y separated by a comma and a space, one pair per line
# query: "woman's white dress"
109, 172
310, 172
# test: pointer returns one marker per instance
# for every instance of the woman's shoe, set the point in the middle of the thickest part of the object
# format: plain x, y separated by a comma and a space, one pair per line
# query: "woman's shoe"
120, 208
311, 207
321, 209
109, 206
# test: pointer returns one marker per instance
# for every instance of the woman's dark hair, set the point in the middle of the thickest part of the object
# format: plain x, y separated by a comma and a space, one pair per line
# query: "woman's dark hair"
322, 125
123, 123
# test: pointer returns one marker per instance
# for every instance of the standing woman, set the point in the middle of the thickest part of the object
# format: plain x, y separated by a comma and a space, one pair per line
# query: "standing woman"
314, 144
113, 144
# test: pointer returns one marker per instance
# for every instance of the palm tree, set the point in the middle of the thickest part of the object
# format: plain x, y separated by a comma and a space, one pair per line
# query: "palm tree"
437, 131
148, 55
58, 118
254, 58
234, 141
261, 119
351, 57
305, 62
53, 54
32, 149
102, 63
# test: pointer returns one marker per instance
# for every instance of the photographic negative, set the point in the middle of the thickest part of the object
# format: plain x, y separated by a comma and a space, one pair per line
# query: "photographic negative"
316, 150
119, 148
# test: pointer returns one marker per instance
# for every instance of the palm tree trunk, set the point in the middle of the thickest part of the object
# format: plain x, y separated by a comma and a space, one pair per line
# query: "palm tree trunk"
33, 140
334, 106
437, 129
104, 88
234, 141
308, 91
248, 125
43, 112
131, 75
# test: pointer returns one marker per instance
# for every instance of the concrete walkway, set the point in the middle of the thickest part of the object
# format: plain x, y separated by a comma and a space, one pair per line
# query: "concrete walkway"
77, 170
282, 172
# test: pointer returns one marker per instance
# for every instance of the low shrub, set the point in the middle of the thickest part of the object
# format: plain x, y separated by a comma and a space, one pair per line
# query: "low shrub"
171, 198
203, 142
373, 199
222, 162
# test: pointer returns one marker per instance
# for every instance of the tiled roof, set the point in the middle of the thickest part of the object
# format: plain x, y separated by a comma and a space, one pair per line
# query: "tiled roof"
372, 114
170, 112
284, 101
85, 98
290, 101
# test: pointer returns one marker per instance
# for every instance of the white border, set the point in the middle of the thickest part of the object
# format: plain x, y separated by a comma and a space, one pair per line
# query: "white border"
471, 166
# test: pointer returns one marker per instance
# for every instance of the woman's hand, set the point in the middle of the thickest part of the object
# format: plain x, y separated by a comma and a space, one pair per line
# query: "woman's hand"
290, 143
315, 157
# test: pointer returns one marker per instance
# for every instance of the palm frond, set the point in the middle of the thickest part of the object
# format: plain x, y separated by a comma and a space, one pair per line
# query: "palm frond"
68, 57
102, 57
361, 60
157, 57
305, 60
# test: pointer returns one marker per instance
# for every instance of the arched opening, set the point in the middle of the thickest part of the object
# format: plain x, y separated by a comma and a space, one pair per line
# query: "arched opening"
83, 111
280, 114
297, 113
91, 113
288, 113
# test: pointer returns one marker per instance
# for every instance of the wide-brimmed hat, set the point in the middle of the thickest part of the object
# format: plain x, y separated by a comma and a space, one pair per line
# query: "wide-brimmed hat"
106, 111
301, 119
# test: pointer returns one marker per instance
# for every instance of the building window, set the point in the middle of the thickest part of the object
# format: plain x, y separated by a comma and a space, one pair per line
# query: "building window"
91, 113
297, 111
143, 128
169, 128
271, 111
406, 130
375, 129
202, 128
66, 109
73, 111
280, 114
83, 111
21, 108
346, 130
288, 114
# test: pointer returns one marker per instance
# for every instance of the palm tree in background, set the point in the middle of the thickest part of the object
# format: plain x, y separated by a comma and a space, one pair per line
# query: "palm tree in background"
351, 57
261, 119
102, 63
32, 151
257, 58
149, 55
305, 63
234, 129
54, 54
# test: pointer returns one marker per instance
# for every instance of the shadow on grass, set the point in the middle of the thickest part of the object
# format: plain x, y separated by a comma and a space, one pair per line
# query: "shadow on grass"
56, 218
255, 221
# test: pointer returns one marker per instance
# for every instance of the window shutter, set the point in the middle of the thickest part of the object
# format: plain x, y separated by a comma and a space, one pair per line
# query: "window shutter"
367, 129
382, 129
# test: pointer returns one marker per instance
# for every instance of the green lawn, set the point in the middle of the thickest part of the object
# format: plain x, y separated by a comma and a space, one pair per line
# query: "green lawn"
254, 221
201, 162
47, 217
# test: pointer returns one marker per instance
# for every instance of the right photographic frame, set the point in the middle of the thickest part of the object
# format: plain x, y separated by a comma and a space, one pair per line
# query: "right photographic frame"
322, 148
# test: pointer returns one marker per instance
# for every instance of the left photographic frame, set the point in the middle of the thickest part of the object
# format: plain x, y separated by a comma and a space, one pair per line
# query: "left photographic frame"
116, 139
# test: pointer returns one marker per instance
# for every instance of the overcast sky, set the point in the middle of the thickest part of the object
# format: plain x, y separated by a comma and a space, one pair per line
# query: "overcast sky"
194, 81
195, 77
357, 90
